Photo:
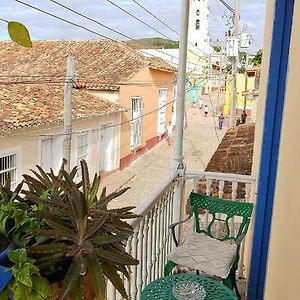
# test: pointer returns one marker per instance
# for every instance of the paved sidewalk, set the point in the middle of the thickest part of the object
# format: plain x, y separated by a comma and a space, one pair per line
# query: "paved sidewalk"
201, 139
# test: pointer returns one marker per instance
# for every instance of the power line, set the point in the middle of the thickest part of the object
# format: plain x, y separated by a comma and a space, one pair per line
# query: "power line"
93, 130
136, 18
87, 29
155, 17
227, 6
149, 12
107, 27
62, 19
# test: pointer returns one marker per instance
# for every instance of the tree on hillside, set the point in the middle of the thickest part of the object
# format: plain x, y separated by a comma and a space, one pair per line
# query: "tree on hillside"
217, 48
256, 60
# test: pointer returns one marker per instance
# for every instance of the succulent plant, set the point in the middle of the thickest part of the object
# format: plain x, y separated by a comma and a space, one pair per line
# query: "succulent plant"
81, 230
14, 217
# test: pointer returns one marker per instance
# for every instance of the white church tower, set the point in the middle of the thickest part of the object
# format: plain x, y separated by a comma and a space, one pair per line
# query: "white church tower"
198, 25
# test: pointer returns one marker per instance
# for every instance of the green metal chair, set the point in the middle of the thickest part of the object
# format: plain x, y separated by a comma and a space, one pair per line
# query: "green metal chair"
222, 211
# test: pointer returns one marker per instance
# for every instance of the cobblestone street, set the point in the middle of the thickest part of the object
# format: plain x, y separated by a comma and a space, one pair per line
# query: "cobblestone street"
201, 138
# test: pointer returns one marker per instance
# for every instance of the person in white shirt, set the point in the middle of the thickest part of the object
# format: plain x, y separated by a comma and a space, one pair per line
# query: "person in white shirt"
205, 110
169, 133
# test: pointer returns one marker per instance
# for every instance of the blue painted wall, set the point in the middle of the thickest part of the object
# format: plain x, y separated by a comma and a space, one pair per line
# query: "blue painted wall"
193, 89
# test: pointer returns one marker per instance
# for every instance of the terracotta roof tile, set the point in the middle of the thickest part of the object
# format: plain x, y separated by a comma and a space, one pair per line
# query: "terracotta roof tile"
30, 105
233, 155
102, 62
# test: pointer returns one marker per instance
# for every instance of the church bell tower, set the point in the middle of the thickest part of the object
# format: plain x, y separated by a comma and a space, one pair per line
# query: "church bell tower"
198, 25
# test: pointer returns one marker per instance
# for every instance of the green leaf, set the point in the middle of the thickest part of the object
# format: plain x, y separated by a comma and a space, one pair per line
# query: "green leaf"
18, 256
48, 248
96, 275
94, 190
21, 292
108, 239
77, 292
22, 275
4, 294
96, 225
115, 279
117, 257
19, 34
41, 286
55, 234
104, 200
69, 280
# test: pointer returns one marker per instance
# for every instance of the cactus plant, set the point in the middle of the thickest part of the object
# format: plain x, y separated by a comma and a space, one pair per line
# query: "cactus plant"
79, 230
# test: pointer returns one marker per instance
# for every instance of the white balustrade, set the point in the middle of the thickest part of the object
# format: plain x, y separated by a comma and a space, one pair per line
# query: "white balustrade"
236, 181
152, 241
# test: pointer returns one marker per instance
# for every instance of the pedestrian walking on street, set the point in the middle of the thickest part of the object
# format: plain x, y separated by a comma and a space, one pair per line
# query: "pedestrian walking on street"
205, 110
221, 120
243, 117
169, 133
238, 122
200, 103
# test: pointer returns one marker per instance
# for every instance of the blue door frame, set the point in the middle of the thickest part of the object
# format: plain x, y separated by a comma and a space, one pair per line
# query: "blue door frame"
282, 26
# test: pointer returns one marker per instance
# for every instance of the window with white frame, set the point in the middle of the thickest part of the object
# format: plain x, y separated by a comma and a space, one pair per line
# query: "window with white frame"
136, 123
8, 168
82, 149
161, 112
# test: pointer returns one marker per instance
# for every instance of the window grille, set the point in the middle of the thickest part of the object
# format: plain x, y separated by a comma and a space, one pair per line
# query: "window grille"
8, 167
136, 123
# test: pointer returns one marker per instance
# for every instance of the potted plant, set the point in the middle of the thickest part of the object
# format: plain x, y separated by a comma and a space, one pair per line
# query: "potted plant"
79, 243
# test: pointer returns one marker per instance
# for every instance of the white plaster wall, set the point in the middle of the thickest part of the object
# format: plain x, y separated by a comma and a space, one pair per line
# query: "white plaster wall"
28, 144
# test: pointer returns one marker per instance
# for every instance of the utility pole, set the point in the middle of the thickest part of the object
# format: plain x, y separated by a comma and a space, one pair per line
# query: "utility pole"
246, 80
180, 101
220, 80
209, 73
235, 61
68, 112
178, 164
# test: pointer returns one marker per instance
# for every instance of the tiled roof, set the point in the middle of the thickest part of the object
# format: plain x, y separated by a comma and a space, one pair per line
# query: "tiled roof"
97, 62
233, 155
30, 105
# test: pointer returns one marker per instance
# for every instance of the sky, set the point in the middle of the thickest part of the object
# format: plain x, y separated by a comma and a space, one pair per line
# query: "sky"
42, 27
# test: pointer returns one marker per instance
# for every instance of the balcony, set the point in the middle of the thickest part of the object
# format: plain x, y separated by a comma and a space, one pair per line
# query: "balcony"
152, 241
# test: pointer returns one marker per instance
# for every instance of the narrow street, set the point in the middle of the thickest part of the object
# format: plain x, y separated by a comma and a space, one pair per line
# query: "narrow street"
201, 138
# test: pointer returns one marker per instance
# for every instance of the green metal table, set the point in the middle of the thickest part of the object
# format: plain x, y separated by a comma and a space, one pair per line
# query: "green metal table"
161, 289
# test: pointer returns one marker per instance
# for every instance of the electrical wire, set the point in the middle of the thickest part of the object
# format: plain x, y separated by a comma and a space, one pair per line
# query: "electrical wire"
155, 17
76, 25
115, 31
34, 137
227, 6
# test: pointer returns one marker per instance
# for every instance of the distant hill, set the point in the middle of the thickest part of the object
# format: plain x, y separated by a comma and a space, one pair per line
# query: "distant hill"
153, 43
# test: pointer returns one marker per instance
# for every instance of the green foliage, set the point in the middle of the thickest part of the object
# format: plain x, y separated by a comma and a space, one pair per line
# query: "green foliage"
217, 48
19, 34
79, 229
257, 59
153, 43
27, 283
14, 218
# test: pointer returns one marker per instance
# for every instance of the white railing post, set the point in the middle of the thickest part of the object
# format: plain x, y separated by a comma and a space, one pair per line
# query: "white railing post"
221, 194
145, 251
140, 250
208, 193
233, 198
133, 283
